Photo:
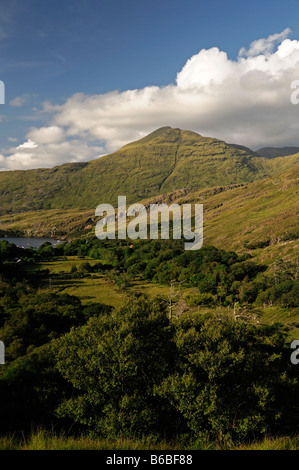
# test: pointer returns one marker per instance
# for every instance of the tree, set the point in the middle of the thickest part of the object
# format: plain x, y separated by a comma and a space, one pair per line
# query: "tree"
114, 363
229, 379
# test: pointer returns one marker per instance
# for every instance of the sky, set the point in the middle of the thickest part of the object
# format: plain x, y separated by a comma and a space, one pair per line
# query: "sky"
83, 78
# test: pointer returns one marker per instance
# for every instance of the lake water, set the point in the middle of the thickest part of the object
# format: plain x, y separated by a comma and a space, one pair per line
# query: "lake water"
31, 242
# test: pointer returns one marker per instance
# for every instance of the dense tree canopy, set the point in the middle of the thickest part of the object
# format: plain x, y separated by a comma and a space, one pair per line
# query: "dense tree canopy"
132, 371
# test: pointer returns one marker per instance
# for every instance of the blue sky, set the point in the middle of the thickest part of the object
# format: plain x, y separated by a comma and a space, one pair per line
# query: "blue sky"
51, 50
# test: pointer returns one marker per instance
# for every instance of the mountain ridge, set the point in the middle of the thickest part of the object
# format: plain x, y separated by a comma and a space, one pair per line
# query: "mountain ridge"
273, 152
163, 161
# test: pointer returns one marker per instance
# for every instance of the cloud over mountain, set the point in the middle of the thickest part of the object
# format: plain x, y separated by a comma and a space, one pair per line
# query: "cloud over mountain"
245, 101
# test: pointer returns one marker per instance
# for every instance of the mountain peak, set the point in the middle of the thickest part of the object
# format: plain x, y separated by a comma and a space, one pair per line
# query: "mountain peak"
165, 135
166, 160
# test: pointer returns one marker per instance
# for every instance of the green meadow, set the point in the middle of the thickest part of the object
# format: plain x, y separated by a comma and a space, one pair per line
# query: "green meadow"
103, 289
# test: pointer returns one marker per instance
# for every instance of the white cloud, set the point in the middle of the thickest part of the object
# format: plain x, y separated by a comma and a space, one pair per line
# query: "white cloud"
208, 66
18, 101
264, 45
49, 154
245, 101
27, 145
47, 135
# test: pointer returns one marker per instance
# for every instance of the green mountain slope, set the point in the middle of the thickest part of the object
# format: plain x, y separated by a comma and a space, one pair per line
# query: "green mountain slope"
259, 218
164, 161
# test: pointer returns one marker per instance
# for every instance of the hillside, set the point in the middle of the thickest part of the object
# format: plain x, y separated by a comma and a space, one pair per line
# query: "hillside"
273, 152
164, 161
259, 218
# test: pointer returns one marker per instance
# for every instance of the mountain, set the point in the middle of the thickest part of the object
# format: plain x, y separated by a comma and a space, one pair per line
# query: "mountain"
166, 160
259, 218
273, 152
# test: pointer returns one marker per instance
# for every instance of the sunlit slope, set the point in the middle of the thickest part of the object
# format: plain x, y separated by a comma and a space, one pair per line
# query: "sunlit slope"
164, 161
260, 218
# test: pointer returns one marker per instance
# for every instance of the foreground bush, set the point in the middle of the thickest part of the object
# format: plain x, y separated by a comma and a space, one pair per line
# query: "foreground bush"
134, 373
114, 363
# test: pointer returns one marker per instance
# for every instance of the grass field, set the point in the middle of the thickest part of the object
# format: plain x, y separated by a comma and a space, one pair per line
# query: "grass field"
101, 288
43, 440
